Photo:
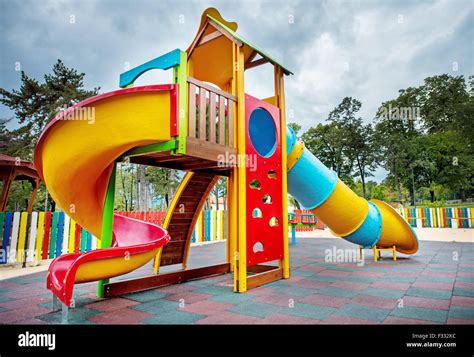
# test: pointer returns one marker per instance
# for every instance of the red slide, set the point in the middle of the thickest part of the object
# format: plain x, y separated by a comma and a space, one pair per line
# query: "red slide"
134, 243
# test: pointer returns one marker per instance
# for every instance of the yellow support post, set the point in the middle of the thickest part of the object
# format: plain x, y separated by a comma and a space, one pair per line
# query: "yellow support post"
242, 241
375, 254
280, 95
232, 228
169, 214
394, 253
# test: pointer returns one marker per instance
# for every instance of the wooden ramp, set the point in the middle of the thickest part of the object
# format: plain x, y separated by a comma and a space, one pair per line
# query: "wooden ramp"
182, 218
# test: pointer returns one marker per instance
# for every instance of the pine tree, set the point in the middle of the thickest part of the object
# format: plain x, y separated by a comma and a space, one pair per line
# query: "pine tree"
35, 103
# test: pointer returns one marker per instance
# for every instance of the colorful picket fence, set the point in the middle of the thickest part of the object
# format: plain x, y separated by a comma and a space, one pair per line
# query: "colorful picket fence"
300, 216
32, 237
211, 226
448, 217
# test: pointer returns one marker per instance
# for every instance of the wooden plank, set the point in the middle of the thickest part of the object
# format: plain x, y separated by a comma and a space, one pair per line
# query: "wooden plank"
212, 117
202, 114
201, 165
225, 33
14, 237
154, 281
77, 241
256, 63
89, 242
192, 111
30, 257
196, 40
39, 236
2, 221
59, 242
22, 237
252, 56
264, 278
210, 88
209, 38
168, 158
6, 237
207, 150
260, 268
221, 171
230, 124
67, 223
171, 261
222, 120
54, 235
47, 228
72, 235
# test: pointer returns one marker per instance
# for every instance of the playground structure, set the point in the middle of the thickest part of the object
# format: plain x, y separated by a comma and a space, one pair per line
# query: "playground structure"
297, 219
207, 131
13, 169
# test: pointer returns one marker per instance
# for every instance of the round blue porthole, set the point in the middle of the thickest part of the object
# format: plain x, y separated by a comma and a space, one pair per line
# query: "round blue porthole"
262, 132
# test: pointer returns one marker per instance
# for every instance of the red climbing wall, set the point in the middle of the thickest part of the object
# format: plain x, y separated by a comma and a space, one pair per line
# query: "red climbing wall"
264, 240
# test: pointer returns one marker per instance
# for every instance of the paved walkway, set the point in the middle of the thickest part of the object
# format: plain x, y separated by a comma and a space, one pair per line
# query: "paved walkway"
434, 286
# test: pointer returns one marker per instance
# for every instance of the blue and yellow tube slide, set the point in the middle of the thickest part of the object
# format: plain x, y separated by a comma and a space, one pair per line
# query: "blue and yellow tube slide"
366, 223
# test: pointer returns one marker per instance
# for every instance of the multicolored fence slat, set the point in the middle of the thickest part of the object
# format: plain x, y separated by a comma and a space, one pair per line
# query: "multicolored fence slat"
39, 236
443, 217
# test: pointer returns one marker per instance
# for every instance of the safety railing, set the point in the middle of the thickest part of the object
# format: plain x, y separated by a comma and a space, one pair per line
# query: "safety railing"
210, 113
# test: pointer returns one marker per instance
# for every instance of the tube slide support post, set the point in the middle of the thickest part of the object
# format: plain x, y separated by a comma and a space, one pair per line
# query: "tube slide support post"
107, 223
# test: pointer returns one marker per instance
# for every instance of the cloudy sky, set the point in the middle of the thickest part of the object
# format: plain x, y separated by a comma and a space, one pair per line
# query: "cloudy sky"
364, 49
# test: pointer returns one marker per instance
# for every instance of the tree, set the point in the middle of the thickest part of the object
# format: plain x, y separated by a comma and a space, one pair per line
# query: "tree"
423, 130
6, 138
326, 142
380, 192
395, 135
296, 128
357, 138
451, 162
439, 101
35, 103
220, 190
363, 150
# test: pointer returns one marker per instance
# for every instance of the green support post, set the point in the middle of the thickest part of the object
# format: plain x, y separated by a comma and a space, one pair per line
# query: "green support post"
107, 223
180, 77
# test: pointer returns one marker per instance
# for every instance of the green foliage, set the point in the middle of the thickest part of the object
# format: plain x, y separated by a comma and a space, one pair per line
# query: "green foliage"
220, 191
345, 144
160, 185
439, 99
425, 136
327, 142
296, 128
34, 105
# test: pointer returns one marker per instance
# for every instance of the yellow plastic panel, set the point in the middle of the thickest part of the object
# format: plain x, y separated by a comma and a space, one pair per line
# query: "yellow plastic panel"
343, 212
395, 230
77, 170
